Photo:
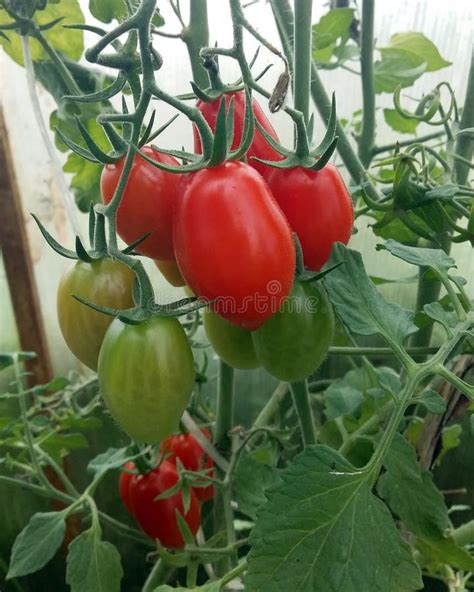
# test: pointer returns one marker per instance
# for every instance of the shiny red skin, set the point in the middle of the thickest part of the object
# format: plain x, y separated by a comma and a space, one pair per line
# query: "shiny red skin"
147, 203
157, 518
192, 456
259, 146
124, 485
233, 244
318, 208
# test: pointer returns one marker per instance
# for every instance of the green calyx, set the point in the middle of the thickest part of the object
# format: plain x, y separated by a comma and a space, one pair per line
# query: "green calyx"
305, 155
220, 149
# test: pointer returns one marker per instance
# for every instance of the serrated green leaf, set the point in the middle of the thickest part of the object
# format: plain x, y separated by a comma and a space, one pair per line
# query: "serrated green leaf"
37, 543
422, 47
436, 259
67, 42
359, 304
398, 67
318, 529
432, 401
399, 123
107, 10
332, 26
411, 493
439, 314
341, 399
93, 565
252, 478
113, 458
85, 182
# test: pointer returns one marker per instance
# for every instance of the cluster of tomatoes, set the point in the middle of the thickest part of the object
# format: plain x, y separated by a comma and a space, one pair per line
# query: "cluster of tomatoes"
140, 492
225, 231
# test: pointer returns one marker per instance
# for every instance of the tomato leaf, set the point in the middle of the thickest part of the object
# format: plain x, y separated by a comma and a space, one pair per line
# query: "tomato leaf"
93, 565
251, 479
332, 26
436, 259
398, 123
432, 401
322, 514
422, 47
397, 67
113, 458
107, 10
412, 495
341, 399
361, 307
69, 42
37, 543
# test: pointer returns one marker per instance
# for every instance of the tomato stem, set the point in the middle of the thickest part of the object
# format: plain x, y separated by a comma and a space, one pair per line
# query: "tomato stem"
366, 138
299, 391
196, 36
302, 56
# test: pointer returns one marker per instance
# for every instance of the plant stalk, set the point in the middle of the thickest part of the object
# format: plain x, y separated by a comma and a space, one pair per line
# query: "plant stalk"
366, 139
302, 36
196, 36
464, 143
299, 391
159, 574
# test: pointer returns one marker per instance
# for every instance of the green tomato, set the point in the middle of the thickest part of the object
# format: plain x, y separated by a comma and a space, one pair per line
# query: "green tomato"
104, 282
232, 343
293, 343
146, 376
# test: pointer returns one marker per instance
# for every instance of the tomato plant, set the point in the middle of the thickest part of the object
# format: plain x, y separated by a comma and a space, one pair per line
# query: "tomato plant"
233, 244
148, 406
319, 474
104, 282
318, 208
294, 342
192, 456
259, 147
147, 204
157, 517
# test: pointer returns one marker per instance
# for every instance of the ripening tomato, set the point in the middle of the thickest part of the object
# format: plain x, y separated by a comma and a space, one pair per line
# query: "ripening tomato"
318, 208
124, 484
104, 282
231, 343
171, 273
294, 342
157, 517
259, 146
192, 456
146, 376
232, 243
146, 204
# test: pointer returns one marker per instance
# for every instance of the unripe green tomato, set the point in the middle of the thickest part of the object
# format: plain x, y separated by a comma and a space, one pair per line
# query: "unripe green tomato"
146, 376
104, 282
232, 343
293, 343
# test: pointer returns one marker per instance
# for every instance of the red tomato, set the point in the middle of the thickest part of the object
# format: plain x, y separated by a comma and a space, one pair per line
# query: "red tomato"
147, 203
157, 518
124, 484
318, 208
233, 244
259, 147
188, 450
